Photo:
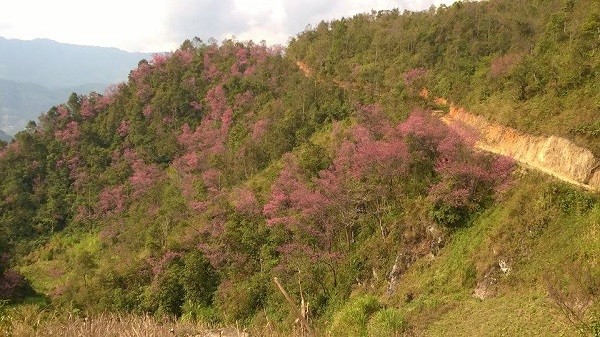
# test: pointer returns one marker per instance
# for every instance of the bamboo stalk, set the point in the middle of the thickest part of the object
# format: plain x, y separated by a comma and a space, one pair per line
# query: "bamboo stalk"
301, 317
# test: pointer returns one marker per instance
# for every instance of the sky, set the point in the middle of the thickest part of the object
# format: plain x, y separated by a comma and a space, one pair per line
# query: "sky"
162, 25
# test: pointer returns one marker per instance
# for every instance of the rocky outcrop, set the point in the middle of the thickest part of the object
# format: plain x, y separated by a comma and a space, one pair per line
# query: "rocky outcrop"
553, 155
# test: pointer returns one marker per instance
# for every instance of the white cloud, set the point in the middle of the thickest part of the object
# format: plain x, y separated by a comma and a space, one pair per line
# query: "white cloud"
154, 25
272, 20
127, 24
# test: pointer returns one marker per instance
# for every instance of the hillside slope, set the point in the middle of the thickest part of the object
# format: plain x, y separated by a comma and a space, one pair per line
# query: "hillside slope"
186, 190
553, 155
529, 65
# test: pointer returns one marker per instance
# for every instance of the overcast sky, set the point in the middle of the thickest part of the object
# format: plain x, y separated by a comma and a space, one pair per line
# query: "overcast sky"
161, 25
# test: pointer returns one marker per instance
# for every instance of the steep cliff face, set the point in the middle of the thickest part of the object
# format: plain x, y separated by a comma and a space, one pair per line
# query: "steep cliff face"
554, 155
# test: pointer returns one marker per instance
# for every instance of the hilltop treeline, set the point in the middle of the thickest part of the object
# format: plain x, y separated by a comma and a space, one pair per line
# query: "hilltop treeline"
215, 168
532, 65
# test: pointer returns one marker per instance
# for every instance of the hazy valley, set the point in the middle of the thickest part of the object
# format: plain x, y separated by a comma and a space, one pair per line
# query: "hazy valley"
36, 75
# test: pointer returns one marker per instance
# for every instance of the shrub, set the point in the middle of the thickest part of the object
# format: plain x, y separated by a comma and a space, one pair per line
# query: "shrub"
387, 322
595, 327
199, 279
352, 319
197, 313
239, 301
13, 286
169, 293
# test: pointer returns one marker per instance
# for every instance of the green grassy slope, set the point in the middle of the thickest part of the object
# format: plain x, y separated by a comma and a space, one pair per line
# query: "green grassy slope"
186, 190
551, 252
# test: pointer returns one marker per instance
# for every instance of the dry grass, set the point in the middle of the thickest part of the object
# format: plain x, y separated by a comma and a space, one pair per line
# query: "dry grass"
27, 322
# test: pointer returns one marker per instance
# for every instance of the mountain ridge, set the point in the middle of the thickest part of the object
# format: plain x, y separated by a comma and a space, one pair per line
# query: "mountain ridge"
5, 137
24, 102
38, 74
188, 189
57, 65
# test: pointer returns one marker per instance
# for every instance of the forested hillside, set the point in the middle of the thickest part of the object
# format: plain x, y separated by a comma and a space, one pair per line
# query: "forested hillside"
213, 170
532, 65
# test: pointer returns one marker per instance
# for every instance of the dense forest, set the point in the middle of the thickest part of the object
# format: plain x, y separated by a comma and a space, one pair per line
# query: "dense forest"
214, 169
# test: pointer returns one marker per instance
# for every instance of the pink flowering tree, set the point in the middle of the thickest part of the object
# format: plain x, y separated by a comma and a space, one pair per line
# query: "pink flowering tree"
244, 201
69, 134
88, 109
144, 177
464, 179
302, 212
374, 167
112, 200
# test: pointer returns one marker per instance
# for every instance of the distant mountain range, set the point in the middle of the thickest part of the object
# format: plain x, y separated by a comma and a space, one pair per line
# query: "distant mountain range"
37, 74
4, 137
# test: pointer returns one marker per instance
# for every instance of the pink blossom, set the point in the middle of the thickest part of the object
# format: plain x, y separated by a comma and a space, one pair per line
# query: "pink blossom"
226, 120
215, 97
13, 147
159, 59
185, 56
140, 73
260, 53
144, 92
130, 155
243, 100
123, 128
70, 134
63, 112
109, 96
196, 105
147, 112
210, 69
144, 176
191, 161
259, 128
111, 200
199, 206
87, 108
211, 179
245, 201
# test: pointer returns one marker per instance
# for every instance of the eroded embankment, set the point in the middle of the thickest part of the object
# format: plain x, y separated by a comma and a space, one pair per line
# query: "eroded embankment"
553, 155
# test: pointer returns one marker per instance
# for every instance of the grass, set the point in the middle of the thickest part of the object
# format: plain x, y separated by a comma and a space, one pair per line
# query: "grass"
29, 321
52, 265
547, 232
514, 314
